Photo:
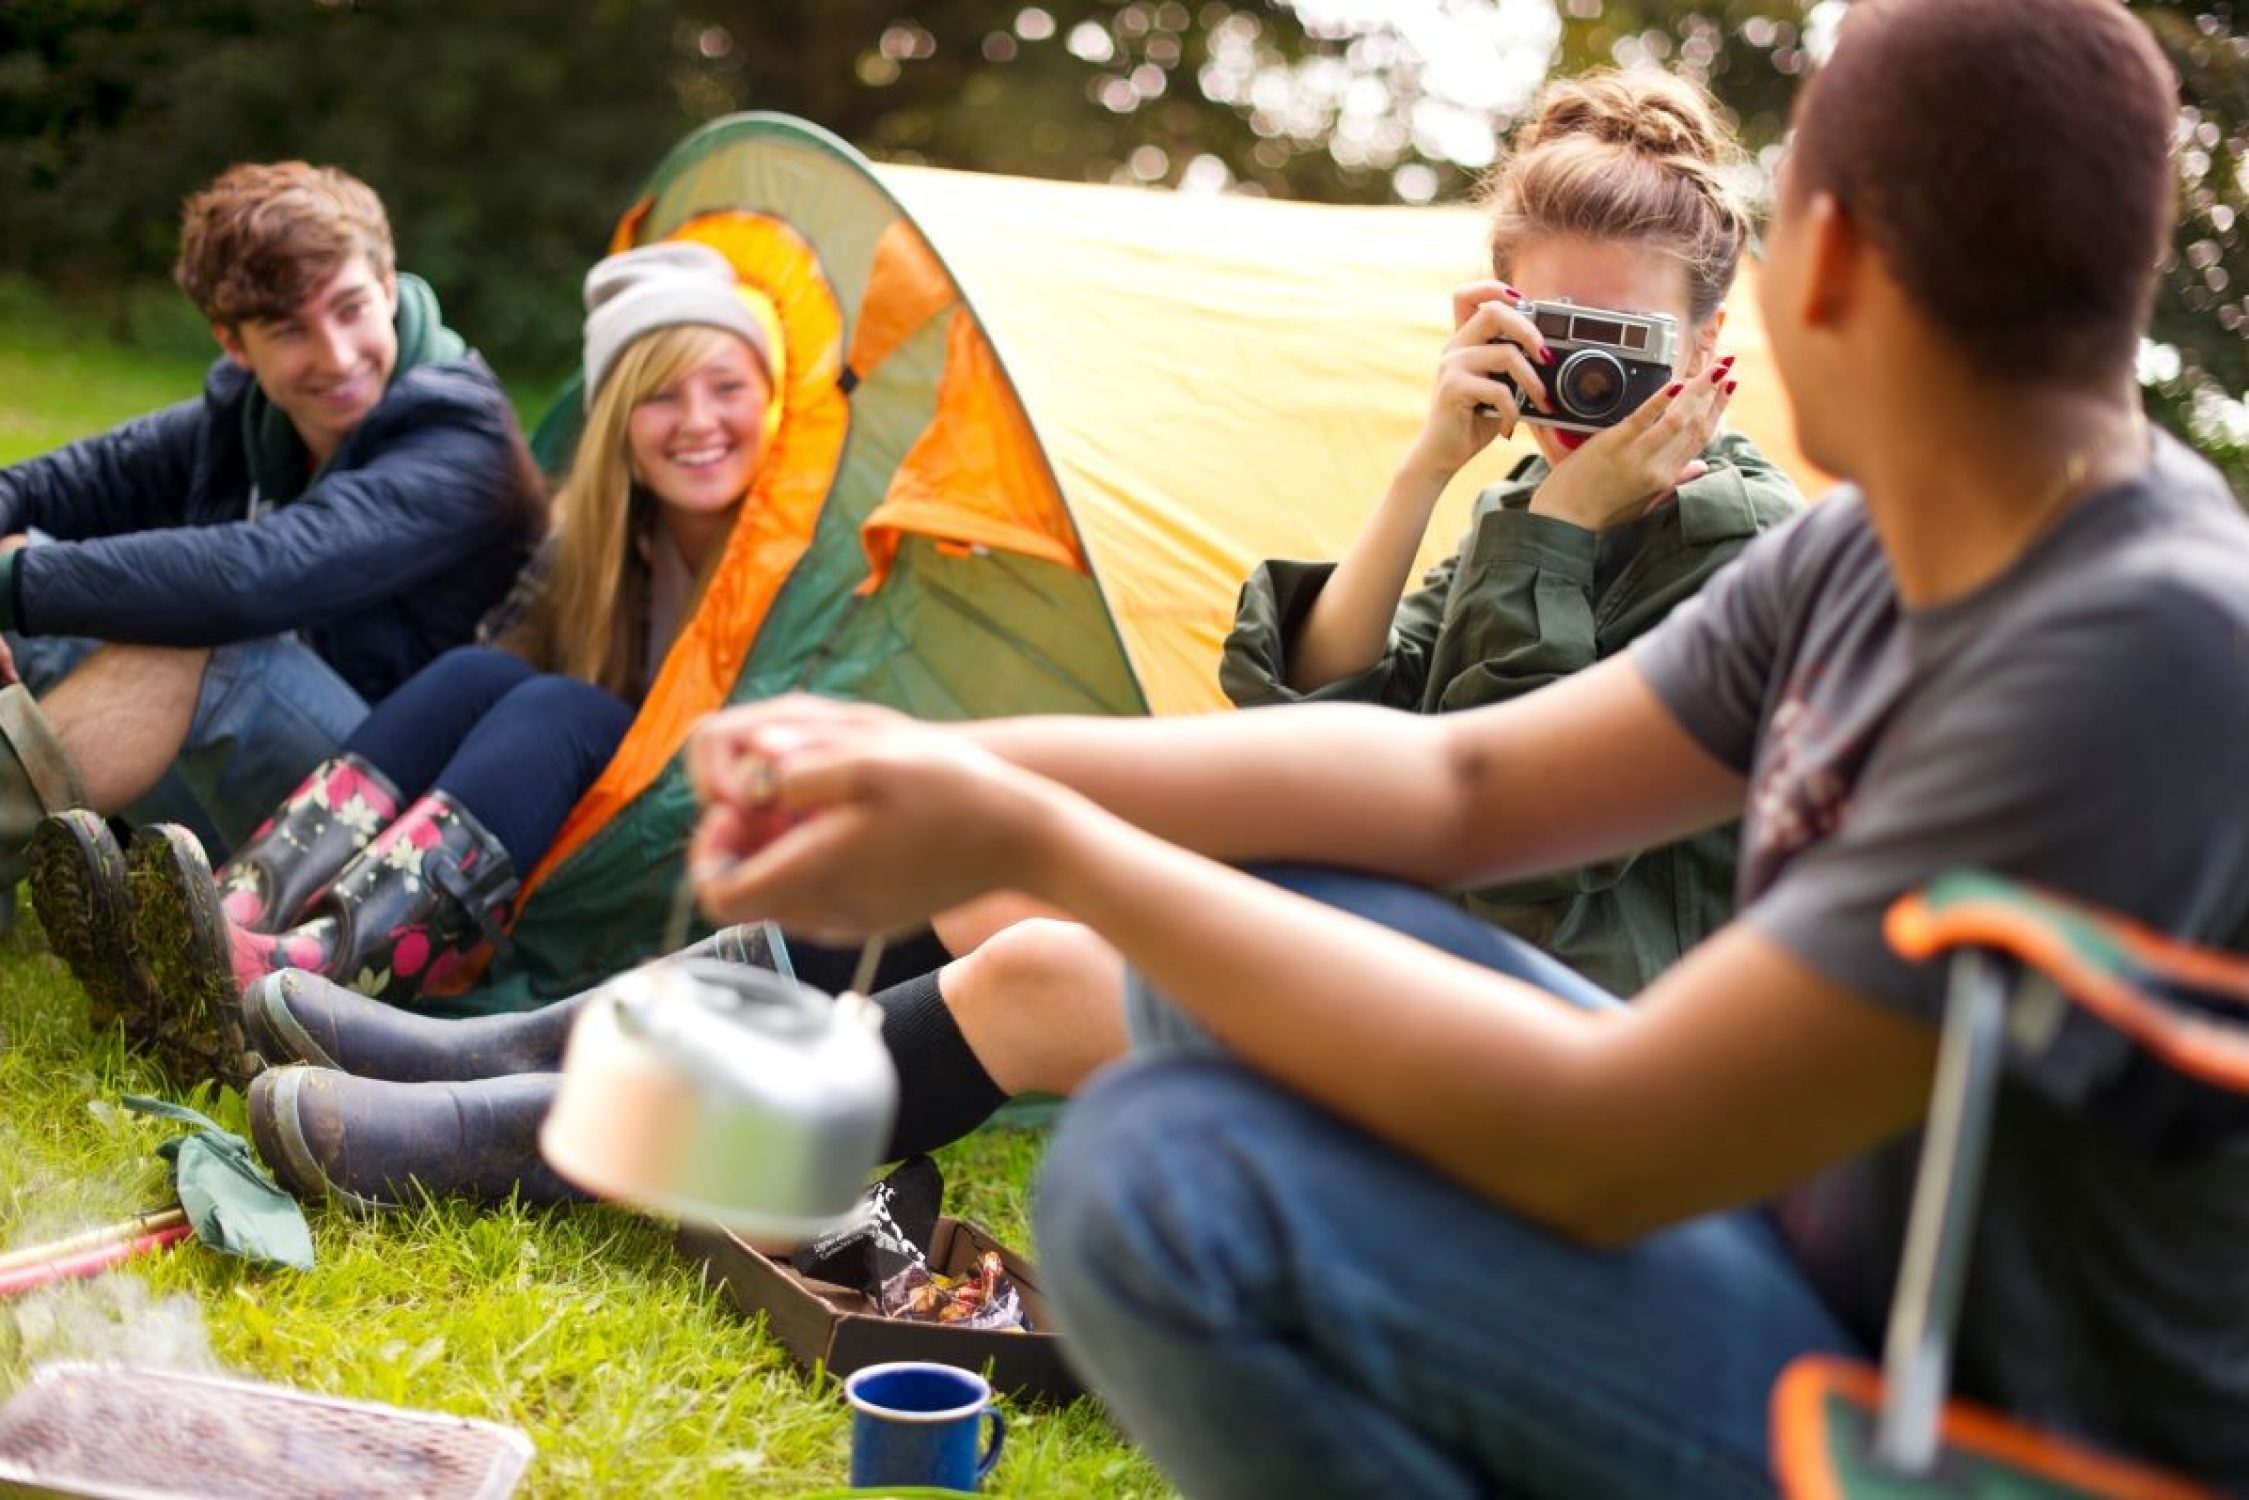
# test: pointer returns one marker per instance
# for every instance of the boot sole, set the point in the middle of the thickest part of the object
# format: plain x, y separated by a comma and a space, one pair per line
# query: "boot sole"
179, 939
279, 1134
271, 1029
78, 889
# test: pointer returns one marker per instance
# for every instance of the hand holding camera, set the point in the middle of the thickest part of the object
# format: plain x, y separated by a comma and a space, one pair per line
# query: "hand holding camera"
1490, 363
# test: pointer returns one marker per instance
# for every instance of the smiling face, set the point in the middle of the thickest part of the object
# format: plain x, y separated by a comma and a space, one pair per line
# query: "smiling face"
695, 440
1620, 276
327, 362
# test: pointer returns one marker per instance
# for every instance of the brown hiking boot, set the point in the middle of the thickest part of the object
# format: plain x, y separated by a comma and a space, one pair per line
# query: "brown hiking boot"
36, 778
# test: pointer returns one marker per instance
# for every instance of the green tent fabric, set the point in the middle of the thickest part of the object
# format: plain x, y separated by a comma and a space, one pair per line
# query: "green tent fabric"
955, 626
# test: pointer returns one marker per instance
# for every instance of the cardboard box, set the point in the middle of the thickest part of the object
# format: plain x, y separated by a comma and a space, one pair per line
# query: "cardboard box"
818, 1321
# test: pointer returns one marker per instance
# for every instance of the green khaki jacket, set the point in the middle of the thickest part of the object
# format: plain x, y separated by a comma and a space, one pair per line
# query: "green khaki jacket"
1526, 600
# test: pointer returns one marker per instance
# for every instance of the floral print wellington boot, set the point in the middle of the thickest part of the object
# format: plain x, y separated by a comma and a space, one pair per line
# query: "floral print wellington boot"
322, 826
419, 907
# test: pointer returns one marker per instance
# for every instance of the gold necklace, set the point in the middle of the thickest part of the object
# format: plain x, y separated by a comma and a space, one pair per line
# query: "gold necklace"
2074, 471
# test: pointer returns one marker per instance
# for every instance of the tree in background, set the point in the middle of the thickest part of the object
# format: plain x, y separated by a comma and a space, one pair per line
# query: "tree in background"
503, 137
507, 135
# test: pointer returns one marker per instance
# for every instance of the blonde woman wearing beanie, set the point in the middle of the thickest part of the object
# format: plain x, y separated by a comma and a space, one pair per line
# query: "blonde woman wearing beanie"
397, 861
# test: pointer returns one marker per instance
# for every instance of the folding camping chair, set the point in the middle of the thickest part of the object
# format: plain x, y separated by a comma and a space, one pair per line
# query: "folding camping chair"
2035, 981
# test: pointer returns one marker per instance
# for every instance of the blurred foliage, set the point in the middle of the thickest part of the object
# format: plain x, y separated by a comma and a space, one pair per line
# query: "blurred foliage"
507, 135
2203, 311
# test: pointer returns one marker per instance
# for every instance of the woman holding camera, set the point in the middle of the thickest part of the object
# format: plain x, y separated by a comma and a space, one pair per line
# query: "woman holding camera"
1613, 199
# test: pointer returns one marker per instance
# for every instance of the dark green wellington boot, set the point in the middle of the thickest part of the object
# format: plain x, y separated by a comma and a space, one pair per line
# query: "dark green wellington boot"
295, 1016
36, 778
416, 907
78, 889
371, 1145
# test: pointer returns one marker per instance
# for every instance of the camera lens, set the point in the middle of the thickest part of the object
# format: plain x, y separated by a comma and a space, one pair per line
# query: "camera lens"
1590, 385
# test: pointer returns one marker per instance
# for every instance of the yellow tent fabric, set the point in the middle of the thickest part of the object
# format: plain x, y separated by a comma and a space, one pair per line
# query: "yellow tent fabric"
1218, 380
1033, 437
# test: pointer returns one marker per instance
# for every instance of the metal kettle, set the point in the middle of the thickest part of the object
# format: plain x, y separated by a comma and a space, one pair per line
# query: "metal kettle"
724, 1094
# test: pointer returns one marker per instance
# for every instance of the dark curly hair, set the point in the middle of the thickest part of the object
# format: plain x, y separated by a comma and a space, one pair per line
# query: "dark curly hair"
2009, 160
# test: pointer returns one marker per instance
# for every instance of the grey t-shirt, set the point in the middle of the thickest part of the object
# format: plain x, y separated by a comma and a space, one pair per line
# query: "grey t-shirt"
2081, 721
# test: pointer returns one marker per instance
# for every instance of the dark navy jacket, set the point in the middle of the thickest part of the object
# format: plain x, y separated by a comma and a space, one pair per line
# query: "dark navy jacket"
412, 532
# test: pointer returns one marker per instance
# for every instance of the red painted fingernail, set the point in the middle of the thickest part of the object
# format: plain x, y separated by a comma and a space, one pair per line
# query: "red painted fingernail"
1674, 388
1546, 356
1730, 386
1729, 359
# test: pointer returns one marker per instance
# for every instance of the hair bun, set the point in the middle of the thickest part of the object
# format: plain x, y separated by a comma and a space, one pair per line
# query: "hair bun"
1641, 156
1646, 111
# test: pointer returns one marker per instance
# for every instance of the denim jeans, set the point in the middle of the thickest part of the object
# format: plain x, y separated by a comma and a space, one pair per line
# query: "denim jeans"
1274, 1303
269, 711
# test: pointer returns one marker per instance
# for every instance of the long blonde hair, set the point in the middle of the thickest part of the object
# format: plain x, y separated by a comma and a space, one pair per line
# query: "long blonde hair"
589, 624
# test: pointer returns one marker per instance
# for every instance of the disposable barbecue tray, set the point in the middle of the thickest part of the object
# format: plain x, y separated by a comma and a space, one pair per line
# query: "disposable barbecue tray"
117, 1433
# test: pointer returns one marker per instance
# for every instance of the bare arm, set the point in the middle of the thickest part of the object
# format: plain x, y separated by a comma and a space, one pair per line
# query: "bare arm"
1348, 626
1589, 768
1740, 1071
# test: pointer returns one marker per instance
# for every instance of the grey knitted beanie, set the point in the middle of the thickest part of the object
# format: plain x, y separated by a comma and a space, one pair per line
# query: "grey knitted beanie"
661, 286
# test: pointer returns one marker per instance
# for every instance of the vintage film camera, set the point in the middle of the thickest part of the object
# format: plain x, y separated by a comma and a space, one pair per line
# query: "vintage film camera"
1606, 363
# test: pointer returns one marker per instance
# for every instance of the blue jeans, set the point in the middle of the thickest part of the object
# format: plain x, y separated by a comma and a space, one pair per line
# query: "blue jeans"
1273, 1303
269, 711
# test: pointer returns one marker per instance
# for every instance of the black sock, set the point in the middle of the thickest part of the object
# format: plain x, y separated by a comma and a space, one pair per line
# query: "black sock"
943, 1091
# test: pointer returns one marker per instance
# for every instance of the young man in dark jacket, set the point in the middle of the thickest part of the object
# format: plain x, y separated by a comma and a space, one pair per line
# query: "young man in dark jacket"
206, 599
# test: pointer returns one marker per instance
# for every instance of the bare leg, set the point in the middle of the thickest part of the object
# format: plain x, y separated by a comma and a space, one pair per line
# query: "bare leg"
1041, 1004
124, 715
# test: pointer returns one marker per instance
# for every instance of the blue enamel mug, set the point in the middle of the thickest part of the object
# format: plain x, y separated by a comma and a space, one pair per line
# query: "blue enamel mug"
916, 1423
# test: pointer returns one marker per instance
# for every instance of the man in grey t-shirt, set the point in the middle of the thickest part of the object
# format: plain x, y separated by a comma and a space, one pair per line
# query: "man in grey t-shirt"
1380, 1221
2075, 721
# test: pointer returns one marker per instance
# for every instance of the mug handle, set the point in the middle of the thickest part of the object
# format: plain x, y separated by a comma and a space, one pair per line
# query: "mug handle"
992, 1449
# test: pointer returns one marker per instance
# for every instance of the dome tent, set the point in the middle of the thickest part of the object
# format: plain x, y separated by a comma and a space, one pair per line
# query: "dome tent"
1033, 437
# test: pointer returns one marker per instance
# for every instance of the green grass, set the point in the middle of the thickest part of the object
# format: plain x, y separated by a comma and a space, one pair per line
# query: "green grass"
63, 372
580, 1326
